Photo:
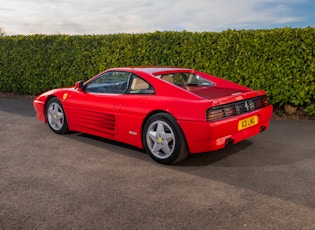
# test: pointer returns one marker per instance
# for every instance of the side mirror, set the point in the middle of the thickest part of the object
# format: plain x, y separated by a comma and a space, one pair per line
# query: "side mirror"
79, 85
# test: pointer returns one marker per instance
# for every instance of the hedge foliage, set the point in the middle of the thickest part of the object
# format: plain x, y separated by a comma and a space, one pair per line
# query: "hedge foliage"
280, 61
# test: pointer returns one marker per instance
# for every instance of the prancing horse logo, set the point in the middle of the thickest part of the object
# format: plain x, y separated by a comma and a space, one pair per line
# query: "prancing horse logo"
247, 106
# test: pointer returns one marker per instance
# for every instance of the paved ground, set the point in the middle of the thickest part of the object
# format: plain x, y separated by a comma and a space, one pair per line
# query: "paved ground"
76, 181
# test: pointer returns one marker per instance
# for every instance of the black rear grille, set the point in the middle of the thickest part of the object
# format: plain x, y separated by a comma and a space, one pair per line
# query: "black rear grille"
233, 109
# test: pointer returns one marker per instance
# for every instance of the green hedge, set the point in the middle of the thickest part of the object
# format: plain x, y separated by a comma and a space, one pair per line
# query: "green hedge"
280, 61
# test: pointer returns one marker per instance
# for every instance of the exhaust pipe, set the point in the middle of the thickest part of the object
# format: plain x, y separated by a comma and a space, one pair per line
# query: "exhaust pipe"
262, 128
229, 142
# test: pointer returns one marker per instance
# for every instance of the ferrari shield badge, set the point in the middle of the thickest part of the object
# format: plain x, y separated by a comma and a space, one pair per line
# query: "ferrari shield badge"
65, 96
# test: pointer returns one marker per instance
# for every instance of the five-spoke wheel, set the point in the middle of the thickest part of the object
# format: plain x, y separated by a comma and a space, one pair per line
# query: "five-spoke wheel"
164, 140
56, 117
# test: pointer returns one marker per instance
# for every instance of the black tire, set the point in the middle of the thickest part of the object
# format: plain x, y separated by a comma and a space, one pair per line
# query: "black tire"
56, 117
163, 139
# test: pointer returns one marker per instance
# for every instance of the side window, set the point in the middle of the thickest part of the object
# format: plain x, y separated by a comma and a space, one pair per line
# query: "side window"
109, 82
140, 86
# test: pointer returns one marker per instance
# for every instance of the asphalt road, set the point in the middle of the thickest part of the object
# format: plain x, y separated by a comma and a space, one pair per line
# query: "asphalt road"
76, 181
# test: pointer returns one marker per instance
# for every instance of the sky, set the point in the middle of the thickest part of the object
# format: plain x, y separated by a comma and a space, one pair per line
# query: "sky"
79, 17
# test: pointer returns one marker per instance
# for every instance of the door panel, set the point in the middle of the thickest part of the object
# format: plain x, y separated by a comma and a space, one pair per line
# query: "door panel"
91, 113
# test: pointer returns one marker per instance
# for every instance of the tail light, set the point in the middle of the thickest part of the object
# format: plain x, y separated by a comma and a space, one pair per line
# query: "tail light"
233, 109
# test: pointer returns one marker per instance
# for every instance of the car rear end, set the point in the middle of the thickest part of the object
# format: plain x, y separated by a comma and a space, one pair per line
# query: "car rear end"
229, 120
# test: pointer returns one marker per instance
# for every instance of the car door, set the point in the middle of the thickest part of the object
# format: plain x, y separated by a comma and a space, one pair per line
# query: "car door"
94, 110
135, 105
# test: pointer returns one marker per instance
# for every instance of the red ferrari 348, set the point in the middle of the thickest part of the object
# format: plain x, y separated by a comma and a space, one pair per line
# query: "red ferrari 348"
170, 112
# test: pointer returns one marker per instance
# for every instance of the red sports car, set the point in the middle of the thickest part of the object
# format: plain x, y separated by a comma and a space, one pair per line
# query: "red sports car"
170, 112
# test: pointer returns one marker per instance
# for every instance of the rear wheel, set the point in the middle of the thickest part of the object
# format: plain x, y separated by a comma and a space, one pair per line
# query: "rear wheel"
56, 116
164, 140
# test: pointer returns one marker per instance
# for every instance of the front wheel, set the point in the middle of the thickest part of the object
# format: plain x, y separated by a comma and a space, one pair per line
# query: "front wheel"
164, 140
56, 116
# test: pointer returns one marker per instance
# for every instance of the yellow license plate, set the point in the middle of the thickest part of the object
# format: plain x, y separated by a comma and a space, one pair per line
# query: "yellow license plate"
248, 122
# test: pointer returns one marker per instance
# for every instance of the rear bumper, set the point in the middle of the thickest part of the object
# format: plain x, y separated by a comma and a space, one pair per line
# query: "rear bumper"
210, 136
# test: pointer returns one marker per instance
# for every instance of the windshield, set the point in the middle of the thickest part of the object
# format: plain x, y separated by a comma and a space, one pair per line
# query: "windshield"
185, 79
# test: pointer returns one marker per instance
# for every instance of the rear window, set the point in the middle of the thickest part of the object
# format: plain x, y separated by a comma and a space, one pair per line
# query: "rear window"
185, 79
